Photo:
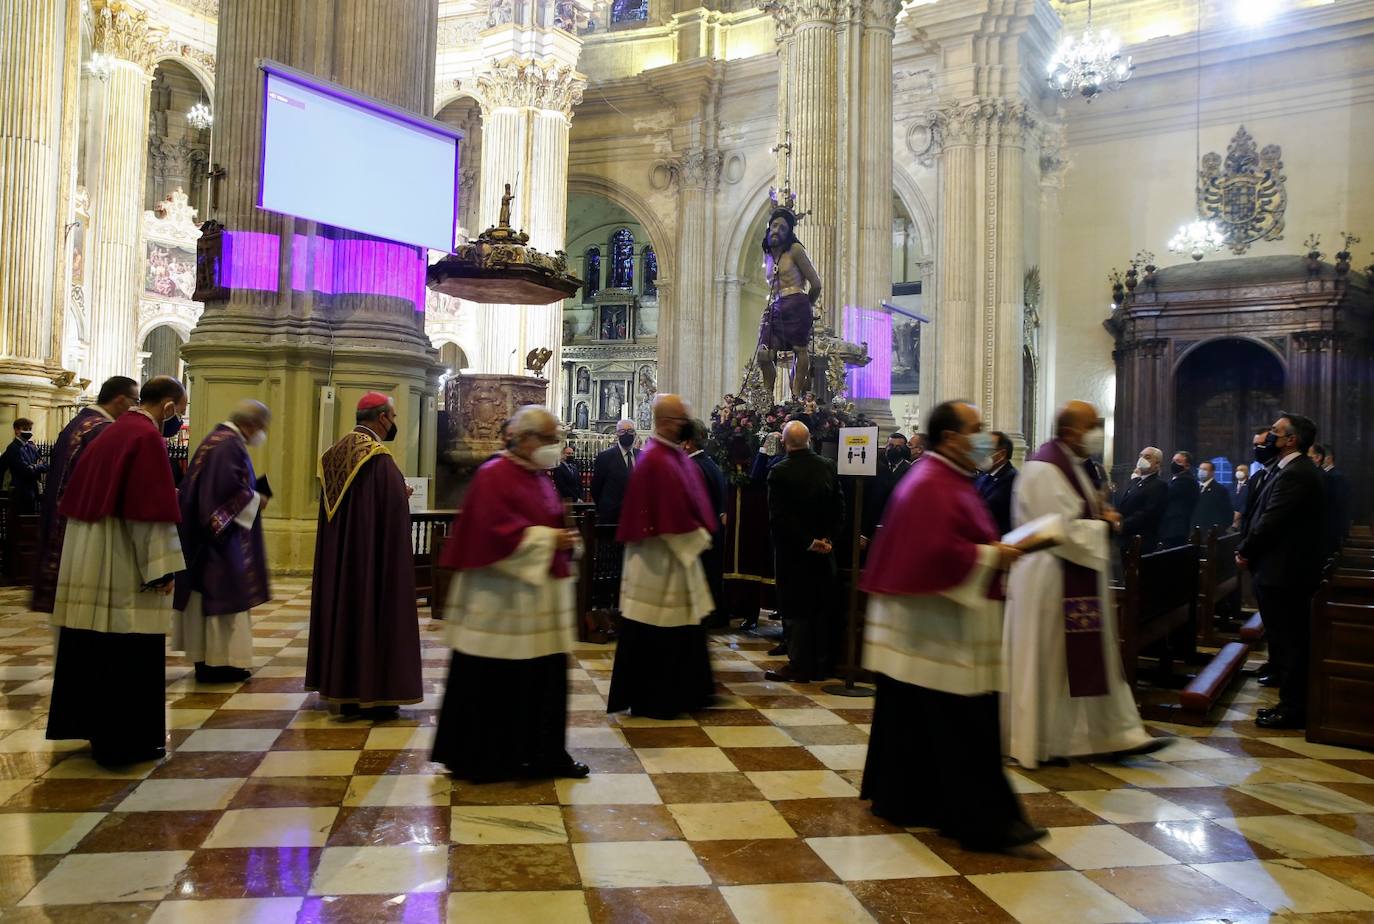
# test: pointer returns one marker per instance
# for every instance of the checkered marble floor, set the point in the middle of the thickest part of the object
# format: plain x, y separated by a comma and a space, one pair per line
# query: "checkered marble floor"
269, 810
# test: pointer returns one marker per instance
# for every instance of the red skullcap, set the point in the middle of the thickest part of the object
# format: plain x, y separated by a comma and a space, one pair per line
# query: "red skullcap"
372, 399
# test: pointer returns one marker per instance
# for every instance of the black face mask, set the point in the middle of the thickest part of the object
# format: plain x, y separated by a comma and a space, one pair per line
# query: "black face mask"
626, 440
390, 432
1267, 452
171, 427
1177, 468
896, 454
26, 435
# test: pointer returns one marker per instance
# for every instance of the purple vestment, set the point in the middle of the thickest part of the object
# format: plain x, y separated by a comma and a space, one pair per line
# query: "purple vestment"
52, 527
225, 563
364, 629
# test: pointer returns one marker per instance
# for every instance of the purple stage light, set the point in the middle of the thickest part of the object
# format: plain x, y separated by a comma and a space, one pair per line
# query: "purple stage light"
874, 327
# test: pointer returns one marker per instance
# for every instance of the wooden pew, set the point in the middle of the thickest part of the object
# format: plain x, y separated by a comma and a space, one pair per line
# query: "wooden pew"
1340, 708
1218, 582
1157, 598
427, 531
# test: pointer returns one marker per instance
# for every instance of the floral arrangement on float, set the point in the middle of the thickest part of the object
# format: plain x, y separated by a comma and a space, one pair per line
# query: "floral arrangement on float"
738, 428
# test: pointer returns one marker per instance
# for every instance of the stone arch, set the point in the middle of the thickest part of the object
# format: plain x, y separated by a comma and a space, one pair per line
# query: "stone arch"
198, 71
1263, 344
631, 202
917, 207
742, 221
463, 352
470, 118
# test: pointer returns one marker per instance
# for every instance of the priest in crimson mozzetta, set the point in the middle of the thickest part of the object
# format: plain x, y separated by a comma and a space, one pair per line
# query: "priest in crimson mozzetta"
661, 664
364, 649
932, 635
221, 537
510, 616
117, 395
113, 608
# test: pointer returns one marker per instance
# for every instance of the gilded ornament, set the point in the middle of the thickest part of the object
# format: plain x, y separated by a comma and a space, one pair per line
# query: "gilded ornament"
1244, 196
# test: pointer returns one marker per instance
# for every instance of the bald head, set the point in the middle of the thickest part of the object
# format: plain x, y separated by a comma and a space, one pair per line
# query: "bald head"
795, 436
672, 416
1076, 415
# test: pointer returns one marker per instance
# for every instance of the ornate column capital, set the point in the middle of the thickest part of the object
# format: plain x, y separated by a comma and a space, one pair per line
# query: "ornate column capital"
123, 31
982, 120
698, 168
875, 14
523, 83
788, 14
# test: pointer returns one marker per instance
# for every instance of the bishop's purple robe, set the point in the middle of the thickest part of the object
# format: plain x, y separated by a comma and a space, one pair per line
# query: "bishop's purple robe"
364, 630
52, 526
225, 563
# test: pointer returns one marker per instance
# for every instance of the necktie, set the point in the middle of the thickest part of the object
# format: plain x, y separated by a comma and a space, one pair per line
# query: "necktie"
630, 460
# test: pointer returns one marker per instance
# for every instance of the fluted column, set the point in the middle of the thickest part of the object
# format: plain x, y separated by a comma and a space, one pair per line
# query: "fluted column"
693, 361
957, 365
117, 163
1004, 334
729, 288
527, 113
32, 49
873, 106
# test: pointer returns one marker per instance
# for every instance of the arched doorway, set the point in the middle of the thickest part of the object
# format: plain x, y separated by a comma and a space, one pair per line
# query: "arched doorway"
178, 147
161, 351
465, 114
1223, 390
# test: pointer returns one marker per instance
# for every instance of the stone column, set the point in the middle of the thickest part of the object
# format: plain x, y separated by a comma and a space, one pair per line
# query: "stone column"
693, 359
729, 288
117, 164
34, 44
527, 112
301, 331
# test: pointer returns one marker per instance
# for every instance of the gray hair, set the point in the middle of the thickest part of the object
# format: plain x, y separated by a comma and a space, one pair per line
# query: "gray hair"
624, 424
1153, 454
532, 420
250, 412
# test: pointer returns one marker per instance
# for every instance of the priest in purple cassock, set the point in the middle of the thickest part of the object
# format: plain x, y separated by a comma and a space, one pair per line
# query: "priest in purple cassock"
364, 648
221, 537
117, 395
932, 635
510, 616
661, 664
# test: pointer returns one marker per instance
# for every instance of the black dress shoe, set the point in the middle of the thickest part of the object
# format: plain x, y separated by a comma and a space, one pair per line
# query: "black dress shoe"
572, 770
778, 650
786, 675
1268, 680
1149, 747
1282, 718
749, 624
1019, 834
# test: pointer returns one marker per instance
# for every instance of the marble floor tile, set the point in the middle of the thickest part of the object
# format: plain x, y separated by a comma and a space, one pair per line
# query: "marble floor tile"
659, 905
1304, 798
563, 907
512, 867
308, 763
840, 756
230, 739
227, 911
705, 787
1356, 872
1154, 775
788, 717
638, 864
596, 738
82, 767
276, 791
1237, 771
1297, 836
266, 701
1100, 846
181, 795
1174, 893
1310, 771
813, 902
750, 736
1305, 748
730, 821
247, 873
754, 862
398, 790
609, 789
1122, 806
187, 718
588, 823
933, 900
273, 827
1287, 886
1076, 776
148, 831
109, 877
636, 721
833, 817
22, 834
35, 739
684, 760
1181, 749
401, 738
205, 765
757, 759
1055, 898
779, 785
507, 824
879, 856
381, 870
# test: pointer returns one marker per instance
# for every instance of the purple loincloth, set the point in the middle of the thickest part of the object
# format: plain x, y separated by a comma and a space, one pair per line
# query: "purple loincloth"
787, 323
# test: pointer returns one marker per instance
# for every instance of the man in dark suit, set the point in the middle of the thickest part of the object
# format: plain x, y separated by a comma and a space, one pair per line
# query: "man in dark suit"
1240, 491
1265, 455
566, 478
1183, 492
20, 460
713, 558
1337, 497
805, 515
611, 473
1214, 506
996, 483
1283, 550
1142, 503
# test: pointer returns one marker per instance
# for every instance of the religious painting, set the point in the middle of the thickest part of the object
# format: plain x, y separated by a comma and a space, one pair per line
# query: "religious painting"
591, 273
612, 400
646, 319
79, 253
613, 322
584, 381
629, 10
622, 274
169, 271
906, 357
580, 416
645, 389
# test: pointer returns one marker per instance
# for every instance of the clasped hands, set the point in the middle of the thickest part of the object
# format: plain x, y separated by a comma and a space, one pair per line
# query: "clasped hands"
820, 546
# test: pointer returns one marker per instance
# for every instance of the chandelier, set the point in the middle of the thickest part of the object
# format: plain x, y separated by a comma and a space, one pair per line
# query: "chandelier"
199, 117
101, 65
1092, 63
1197, 239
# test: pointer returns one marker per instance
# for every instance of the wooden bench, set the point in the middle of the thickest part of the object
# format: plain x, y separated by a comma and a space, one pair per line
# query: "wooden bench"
1158, 598
599, 583
1340, 707
1218, 583
427, 531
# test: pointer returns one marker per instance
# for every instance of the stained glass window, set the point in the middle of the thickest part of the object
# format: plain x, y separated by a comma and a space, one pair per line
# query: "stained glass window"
591, 273
629, 10
622, 275
650, 271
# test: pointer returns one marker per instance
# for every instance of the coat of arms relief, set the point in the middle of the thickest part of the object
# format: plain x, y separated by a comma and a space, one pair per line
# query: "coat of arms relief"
1244, 195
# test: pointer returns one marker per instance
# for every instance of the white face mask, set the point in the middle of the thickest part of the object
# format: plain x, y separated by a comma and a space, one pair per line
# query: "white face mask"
1142, 465
1094, 442
1205, 476
257, 439
547, 456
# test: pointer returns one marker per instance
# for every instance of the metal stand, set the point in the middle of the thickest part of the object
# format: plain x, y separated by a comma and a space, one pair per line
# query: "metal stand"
852, 618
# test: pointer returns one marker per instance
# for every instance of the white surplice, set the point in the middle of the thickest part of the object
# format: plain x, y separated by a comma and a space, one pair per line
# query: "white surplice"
1040, 720
513, 609
663, 583
951, 641
224, 640
104, 567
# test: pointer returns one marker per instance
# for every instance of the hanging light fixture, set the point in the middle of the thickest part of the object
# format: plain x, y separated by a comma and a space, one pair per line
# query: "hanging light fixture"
1090, 64
1199, 237
101, 65
199, 117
